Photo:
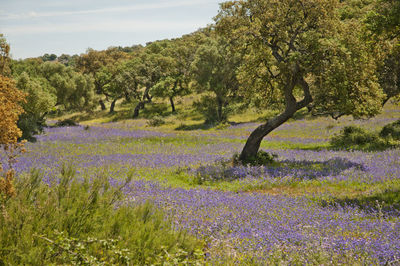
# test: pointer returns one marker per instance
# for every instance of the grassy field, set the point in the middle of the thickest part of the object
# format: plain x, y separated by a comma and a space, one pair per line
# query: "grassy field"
313, 205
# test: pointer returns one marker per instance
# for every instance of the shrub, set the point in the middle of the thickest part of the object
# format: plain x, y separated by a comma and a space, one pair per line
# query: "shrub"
30, 126
229, 170
391, 130
156, 121
207, 106
86, 222
352, 137
66, 123
262, 158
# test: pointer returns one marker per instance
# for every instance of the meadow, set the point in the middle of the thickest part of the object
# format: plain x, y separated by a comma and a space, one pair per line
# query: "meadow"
312, 205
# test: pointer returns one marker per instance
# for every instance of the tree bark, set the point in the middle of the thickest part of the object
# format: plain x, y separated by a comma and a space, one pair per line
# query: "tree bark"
128, 97
146, 95
171, 100
253, 143
112, 106
145, 99
219, 109
137, 109
102, 105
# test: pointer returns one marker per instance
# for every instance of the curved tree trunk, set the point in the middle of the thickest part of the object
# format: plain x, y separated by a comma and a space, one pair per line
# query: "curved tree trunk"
112, 107
127, 97
171, 100
138, 107
102, 105
253, 143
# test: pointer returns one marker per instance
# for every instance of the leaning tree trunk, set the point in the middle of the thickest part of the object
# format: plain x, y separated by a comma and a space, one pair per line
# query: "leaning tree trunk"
128, 97
171, 100
253, 143
112, 107
137, 109
102, 105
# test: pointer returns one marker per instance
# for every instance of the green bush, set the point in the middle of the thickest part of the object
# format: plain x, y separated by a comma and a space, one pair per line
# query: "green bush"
66, 123
207, 106
352, 137
391, 130
30, 126
86, 222
262, 158
155, 121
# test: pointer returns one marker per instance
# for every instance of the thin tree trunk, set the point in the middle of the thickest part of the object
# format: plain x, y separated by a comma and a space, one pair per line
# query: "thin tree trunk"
145, 99
219, 109
146, 95
137, 109
171, 100
128, 97
102, 105
112, 106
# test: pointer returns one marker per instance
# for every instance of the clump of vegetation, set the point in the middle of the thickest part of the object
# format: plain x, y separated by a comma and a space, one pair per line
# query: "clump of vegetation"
209, 109
356, 138
85, 222
262, 158
155, 121
30, 126
229, 170
66, 123
391, 130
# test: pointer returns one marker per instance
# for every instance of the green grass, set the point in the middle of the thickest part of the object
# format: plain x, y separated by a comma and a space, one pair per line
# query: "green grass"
75, 221
191, 131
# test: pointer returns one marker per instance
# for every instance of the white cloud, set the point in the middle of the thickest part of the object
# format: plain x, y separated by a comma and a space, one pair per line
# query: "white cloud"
160, 5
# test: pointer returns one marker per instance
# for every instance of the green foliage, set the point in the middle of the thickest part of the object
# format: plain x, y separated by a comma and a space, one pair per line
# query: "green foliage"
48, 57
39, 101
84, 221
389, 73
209, 108
155, 121
30, 125
391, 130
384, 20
304, 49
50, 86
214, 72
66, 123
352, 137
262, 158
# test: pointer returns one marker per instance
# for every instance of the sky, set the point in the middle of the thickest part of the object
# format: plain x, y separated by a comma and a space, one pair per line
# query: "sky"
35, 27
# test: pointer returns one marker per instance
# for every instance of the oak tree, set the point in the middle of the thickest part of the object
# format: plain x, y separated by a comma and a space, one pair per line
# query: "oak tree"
302, 53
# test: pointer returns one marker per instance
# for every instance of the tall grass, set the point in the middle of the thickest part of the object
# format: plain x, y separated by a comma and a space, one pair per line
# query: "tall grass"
71, 221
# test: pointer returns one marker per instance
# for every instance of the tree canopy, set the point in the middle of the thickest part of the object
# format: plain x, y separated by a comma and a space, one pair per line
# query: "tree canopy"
10, 99
303, 53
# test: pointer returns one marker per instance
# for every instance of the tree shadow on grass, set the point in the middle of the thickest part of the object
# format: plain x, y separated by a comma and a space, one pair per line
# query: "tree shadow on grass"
205, 126
198, 126
380, 203
297, 170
